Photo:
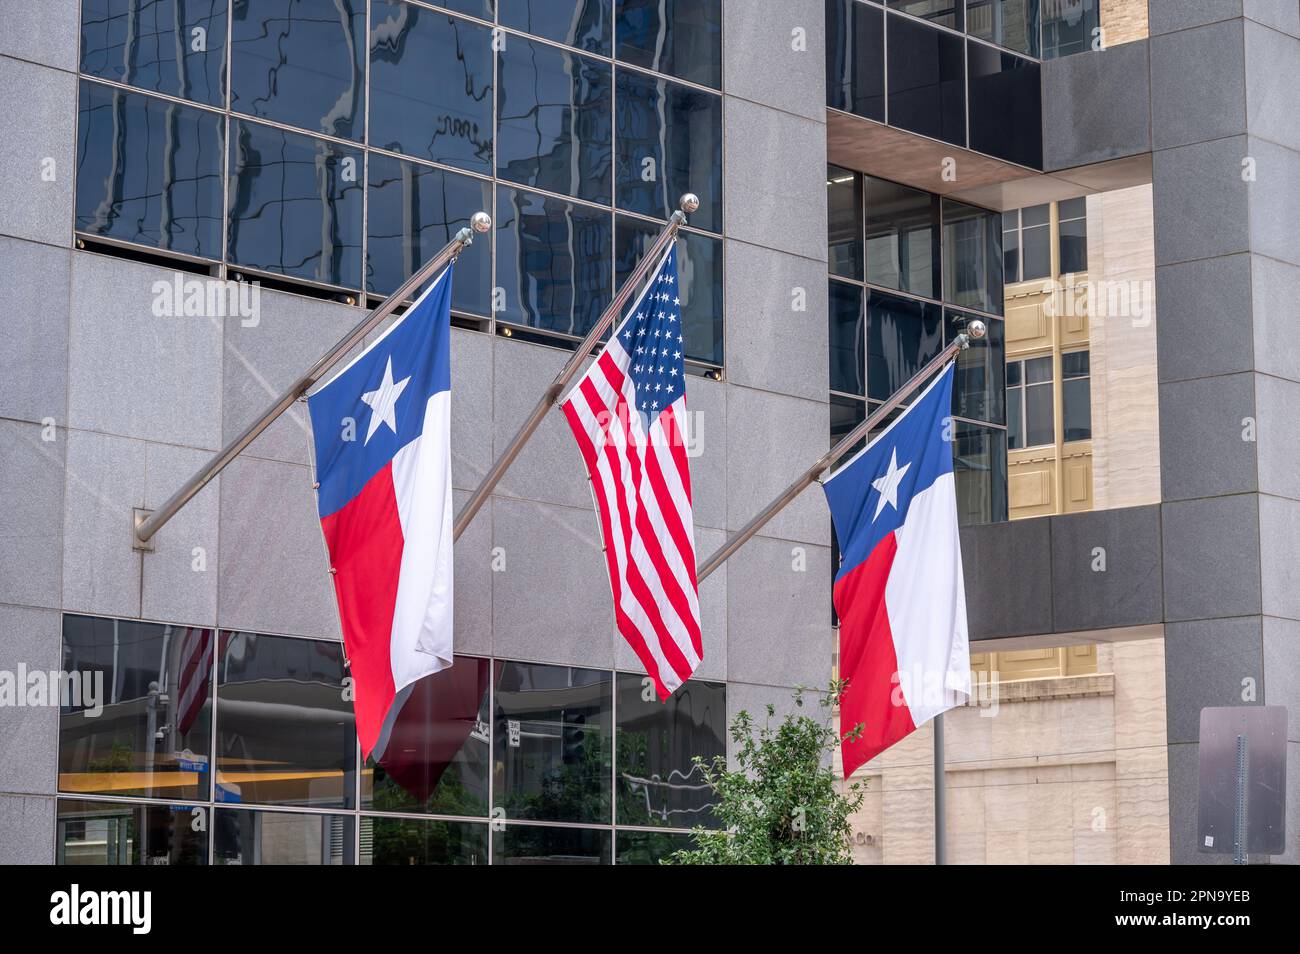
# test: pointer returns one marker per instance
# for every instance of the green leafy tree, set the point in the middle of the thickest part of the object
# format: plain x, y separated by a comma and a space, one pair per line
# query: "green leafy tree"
782, 805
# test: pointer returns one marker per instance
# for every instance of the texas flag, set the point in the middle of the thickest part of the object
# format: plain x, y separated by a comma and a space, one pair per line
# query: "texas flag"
899, 593
381, 428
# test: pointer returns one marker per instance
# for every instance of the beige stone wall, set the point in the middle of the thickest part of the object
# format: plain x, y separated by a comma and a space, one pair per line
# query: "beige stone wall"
1123, 21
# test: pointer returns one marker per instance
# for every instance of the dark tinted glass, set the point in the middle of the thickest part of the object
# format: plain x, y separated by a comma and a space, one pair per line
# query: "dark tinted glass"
1015, 414
1069, 28
137, 720
295, 205
669, 141
947, 13
285, 729
846, 414
414, 841
243, 837
1076, 410
902, 334
926, 80
431, 86
149, 171
972, 257
1009, 23
980, 466
649, 847
168, 46
1074, 364
414, 211
658, 784
1073, 236
855, 58
1039, 427
844, 222
848, 367
902, 229
474, 8
978, 387
1006, 110
537, 845
1010, 249
112, 833
581, 23
437, 757
553, 120
553, 261
1038, 370
1037, 246
699, 271
301, 62
682, 38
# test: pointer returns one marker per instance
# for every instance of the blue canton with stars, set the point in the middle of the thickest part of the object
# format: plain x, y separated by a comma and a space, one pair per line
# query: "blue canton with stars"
652, 337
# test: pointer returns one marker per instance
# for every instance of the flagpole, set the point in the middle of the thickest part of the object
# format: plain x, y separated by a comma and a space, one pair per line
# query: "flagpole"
940, 796
975, 329
687, 205
148, 523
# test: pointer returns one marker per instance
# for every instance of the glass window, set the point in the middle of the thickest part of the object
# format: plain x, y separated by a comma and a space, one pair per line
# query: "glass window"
980, 469
552, 760
474, 8
848, 371
978, 384
437, 757
1009, 23
1011, 246
538, 845
682, 38
243, 837
553, 261
902, 230
431, 86
1076, 398
301, 62
972, 257
846, 414
116, 833
926, 85
553, 120
844, 221
168, 47
855, 58
649, 847
902, 335
1029, 403
699, 272
1005, 106
414, 211
1069, 26
285, 728
149, 171
420, 841
295, 205
669, 141
658, 782
581, 23
137, 719
1072, 225
1036, 242
947, 13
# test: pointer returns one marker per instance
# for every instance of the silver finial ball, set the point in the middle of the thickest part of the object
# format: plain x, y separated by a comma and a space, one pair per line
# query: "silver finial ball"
689, 203
977, 329
480, 222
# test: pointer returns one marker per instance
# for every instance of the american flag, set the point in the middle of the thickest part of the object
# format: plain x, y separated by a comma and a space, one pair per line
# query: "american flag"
195, 676
626, 413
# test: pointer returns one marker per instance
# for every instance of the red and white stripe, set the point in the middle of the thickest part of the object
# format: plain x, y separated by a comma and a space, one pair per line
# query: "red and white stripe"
194, 676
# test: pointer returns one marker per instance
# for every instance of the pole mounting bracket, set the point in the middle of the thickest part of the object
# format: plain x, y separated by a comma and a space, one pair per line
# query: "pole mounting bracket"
138, 516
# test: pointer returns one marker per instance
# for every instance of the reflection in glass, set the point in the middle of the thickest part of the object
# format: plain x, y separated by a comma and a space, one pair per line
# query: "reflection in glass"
117, 833
553, 261
285, 730
855, 58
300, 62
1009, 23
1036, 242
419, 841
295, 205
552, 735
902, 335
848, 362
926, 80
844, 222
658, 782
1070, 27
538, 845
846, 414
152, 45
699, 270
1072, 230
1005, 106
243, 837
977, 390
1076, 397
137, 720
431, 86
437, 758
972, 257
553, 120
648, 847
947, 13
980, 466
584, 24
669, 141
902, 230
414, 211
149, 171
682, 38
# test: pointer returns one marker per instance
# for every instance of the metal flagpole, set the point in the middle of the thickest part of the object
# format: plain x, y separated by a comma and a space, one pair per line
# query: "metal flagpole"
688, 204
940, 796
147, 524
975, 329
